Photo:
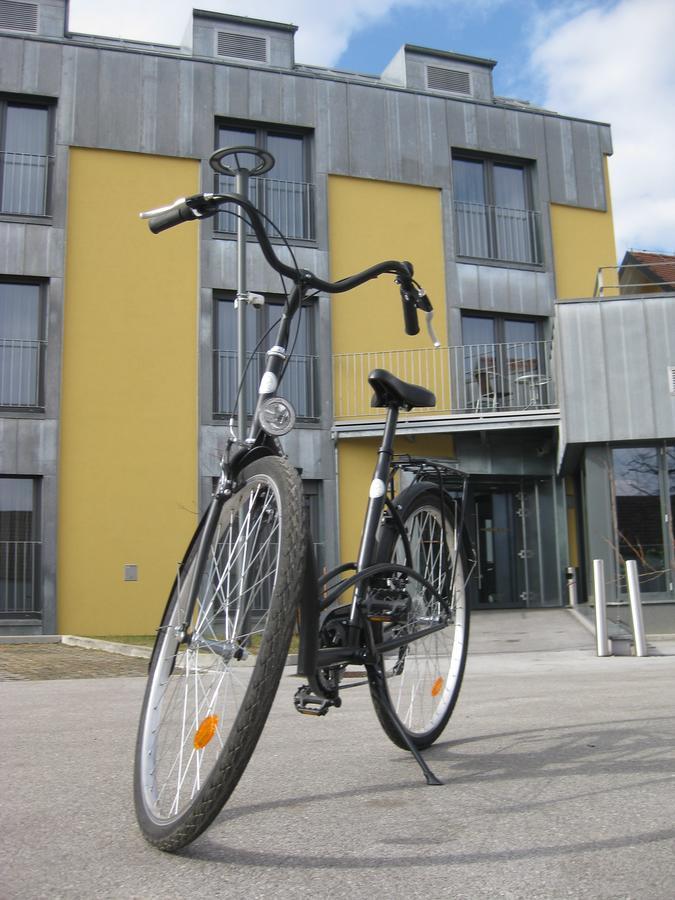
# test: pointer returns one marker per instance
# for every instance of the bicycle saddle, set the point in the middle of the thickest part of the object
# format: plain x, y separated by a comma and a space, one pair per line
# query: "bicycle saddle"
391, 391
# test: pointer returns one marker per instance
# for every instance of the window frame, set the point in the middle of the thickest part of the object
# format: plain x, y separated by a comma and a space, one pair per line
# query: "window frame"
262, 131
41, 339
488, 163
36, 541
310, 311
33, 102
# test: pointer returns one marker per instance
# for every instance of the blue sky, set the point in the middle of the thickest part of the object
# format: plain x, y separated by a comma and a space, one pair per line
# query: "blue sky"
607, 60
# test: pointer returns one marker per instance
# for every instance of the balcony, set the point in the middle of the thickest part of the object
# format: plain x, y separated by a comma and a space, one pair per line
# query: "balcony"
497, 233
21, 368
300, 384
24, 183
289, 204
478, 381
20, 579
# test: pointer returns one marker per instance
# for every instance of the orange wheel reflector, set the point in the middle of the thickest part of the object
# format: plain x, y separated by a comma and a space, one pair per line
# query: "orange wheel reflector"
205, 732
437, 687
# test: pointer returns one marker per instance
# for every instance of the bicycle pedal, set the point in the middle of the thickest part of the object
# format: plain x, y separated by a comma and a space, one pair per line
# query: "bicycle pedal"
388, 610
308, 704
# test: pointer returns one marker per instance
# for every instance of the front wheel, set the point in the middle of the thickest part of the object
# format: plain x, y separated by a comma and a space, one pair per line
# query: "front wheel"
419, 682
209, 694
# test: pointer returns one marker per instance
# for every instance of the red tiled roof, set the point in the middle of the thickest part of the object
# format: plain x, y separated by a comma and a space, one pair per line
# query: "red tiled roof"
658, 266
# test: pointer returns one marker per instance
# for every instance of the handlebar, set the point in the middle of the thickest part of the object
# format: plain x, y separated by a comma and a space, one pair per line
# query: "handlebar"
202, 206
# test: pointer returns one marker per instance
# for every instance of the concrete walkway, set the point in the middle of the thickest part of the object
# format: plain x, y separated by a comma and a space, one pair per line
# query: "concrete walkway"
559, 776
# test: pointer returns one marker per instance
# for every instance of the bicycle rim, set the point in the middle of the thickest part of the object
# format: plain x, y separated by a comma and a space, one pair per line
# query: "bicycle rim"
206, 702
422, 679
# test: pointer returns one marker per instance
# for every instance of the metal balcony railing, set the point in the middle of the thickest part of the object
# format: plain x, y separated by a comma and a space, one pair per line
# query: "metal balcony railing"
300, 384
289, 204
20, 579
24, 183
472, 379
21, 368
635, 278
498, 233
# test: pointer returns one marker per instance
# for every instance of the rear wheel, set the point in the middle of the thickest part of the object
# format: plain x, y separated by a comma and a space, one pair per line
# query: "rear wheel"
421, 680
207, 699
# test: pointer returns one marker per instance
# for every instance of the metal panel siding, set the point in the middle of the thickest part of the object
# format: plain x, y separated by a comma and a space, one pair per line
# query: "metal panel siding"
613, 358
119, 123
264, 95
504, 290
402, 146
434, 145
367, 124
588, 166
11, 60
331, 141
560, 152
458, 133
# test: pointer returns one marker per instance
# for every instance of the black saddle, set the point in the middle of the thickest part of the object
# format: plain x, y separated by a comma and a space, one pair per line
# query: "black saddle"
391, 391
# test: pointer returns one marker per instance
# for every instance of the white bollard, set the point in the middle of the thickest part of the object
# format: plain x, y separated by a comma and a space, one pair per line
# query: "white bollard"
571, 576
600, 607
636, 608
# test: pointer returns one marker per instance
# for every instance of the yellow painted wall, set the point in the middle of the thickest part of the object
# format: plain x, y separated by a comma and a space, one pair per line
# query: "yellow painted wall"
371, 221
128, 442
583, 240
356, 461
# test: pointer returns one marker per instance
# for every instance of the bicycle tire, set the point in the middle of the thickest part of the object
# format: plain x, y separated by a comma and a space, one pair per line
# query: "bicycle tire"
421, 681
205, 705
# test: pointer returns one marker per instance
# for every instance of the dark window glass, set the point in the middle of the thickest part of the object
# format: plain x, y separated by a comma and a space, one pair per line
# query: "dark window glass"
21, 345
24, 159
493, 211
19, 549
285, 193
506, 365
300, 381
638, 513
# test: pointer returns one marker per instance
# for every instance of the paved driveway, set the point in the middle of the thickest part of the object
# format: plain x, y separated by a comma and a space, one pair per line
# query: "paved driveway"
559, 782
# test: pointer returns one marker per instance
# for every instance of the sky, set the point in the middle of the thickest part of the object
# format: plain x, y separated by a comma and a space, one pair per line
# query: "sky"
605, 60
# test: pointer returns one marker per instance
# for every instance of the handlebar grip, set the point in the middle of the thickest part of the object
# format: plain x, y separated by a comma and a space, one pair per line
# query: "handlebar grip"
410, 318
175, 216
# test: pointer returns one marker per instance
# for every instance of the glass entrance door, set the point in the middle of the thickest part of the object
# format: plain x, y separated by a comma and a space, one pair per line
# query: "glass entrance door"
496, 548
518, 560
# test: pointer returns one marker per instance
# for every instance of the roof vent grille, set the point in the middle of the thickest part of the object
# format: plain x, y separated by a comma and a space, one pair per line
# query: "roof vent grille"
18, 16
242, 46
451, 81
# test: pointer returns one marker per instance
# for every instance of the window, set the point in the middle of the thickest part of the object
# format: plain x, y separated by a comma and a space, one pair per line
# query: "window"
25, 135
644, 497
506, 364
300, 382
22, 345
285, 193
19, 549
493, 209
311, 496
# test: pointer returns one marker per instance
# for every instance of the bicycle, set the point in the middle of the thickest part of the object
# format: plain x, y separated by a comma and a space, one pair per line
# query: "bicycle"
224, 637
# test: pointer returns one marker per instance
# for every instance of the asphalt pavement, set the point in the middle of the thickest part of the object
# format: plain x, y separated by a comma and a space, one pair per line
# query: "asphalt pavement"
558, 770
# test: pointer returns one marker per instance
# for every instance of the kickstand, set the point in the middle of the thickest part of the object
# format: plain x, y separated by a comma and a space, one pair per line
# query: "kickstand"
384, 699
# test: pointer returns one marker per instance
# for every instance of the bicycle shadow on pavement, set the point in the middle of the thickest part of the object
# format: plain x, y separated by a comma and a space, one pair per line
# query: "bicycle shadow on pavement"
550, 761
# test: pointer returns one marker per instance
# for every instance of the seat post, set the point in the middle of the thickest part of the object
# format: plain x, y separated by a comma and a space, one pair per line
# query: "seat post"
376, 499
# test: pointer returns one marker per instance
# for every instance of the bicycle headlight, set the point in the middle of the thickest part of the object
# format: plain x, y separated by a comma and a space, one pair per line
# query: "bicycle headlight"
277, 416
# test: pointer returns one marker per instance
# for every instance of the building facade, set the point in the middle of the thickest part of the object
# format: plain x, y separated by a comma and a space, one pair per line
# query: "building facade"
117, 370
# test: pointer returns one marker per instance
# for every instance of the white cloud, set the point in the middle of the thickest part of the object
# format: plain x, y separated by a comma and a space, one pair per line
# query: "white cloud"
615, 63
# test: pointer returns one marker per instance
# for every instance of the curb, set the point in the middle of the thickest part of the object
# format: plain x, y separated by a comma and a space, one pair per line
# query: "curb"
89, 643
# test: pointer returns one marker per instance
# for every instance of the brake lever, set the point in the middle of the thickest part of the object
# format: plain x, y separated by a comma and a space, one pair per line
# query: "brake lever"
428, 316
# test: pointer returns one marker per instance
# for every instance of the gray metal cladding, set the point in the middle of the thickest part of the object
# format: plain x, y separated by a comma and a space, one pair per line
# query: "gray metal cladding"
614, 356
